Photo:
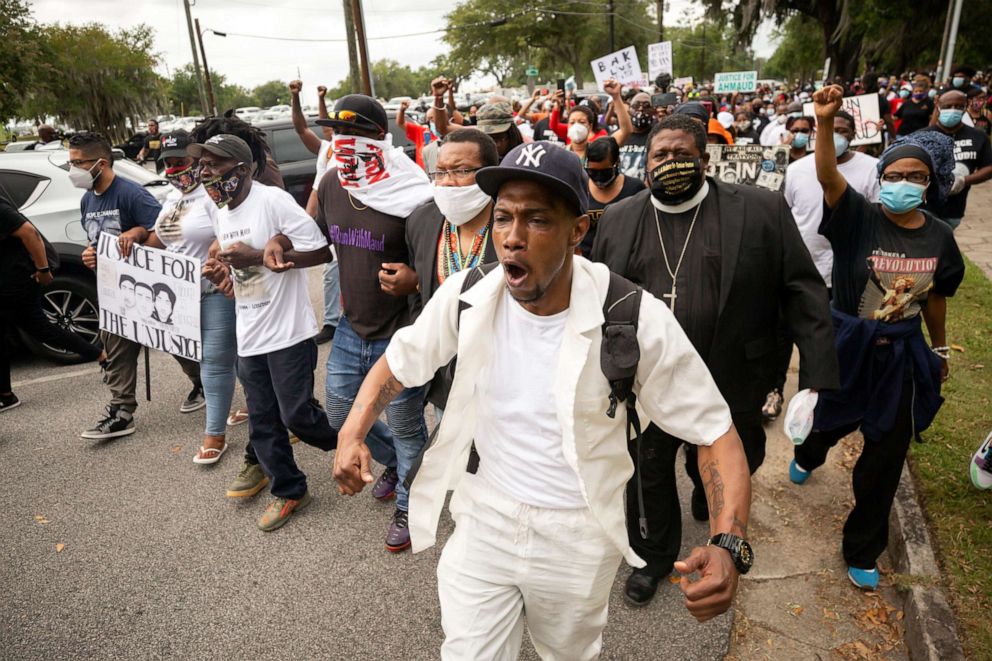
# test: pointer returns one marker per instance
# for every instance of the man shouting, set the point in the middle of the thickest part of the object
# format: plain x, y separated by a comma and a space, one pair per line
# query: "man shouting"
540, 525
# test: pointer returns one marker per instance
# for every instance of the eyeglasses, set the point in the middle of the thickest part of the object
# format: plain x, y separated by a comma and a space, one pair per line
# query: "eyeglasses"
456, 175
912, 177
79, 161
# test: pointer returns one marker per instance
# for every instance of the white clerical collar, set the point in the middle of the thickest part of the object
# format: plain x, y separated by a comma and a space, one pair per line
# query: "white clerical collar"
684, 206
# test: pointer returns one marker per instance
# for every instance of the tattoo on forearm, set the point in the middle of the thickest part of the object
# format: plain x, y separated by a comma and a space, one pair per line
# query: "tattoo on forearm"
387, 392
713, 485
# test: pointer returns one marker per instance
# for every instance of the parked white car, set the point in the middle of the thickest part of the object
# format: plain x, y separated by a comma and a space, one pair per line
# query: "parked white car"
38, 184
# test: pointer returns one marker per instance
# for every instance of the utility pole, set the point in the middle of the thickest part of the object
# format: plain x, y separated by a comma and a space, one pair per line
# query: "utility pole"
196, 60
354, 77
661, 19
702, 56
363, 47
210, 86
952, 39
610, 9
943, 41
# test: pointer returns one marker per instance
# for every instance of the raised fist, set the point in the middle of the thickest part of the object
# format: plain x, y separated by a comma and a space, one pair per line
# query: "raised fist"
295, 86
321, 91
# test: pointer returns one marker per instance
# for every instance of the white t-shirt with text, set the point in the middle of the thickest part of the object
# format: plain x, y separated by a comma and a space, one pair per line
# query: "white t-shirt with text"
273, 309
517, 432
804, 196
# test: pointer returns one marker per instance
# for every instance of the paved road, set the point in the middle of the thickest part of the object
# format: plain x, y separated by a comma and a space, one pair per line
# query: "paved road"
157, 563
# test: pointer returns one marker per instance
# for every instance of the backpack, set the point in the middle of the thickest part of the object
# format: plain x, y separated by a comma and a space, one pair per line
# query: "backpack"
619, 355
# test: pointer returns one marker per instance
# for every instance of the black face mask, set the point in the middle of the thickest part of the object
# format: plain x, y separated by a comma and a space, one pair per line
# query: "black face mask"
677, 180
604, 178
642, 119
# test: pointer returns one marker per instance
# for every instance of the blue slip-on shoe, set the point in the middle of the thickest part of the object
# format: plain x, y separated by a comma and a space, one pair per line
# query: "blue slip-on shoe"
797, 474
866, 579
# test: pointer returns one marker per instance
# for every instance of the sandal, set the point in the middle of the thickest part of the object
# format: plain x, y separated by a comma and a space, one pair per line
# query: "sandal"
238, 417
209, 455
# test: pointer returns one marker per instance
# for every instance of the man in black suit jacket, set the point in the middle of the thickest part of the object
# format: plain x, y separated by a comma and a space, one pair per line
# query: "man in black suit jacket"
727, 259
441, 244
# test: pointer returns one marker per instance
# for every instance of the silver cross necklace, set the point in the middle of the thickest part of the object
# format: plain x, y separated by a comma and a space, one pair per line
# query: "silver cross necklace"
674, 274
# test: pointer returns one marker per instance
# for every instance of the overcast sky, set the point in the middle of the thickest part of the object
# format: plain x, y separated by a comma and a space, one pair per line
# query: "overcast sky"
252, 61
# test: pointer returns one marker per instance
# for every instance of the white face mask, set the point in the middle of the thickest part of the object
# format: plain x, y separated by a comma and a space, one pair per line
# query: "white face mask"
81, 178
460, 204
578, 132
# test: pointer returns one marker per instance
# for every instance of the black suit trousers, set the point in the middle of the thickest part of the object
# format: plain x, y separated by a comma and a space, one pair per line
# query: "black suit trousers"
661, 496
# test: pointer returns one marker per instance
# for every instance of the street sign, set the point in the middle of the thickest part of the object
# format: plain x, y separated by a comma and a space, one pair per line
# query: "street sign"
531, 71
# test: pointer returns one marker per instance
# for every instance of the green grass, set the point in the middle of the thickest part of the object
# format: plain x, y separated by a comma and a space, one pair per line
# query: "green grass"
960, 515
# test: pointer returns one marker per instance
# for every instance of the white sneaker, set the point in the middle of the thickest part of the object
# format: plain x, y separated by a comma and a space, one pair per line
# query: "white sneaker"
981, 465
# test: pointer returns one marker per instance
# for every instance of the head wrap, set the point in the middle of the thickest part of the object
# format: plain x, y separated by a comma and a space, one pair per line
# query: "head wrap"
936, 150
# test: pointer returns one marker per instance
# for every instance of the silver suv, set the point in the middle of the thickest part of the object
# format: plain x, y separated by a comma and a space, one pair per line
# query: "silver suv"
38, 184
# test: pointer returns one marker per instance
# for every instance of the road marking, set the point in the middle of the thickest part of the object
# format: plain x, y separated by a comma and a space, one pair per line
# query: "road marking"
53, 377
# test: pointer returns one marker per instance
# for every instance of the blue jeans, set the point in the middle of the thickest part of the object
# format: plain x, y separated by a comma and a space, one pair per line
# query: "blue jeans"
220, 353
396, 445
332, 294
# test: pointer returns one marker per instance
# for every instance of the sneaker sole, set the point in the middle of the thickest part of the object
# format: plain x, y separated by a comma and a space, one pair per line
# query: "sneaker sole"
866, 588
10, 406
397, 549
388, 496
636, 604
102, 437
981, 482
188, 409
279, 523
244, 493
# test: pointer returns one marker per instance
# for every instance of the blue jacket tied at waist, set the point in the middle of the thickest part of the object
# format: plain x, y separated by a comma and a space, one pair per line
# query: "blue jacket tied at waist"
873, 358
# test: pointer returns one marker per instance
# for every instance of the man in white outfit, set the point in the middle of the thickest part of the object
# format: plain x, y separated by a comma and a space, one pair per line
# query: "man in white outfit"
540, 528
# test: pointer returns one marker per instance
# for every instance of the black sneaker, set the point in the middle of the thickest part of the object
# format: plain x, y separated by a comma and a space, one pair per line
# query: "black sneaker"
194, 400
398, 534
325, 335
8, 402
640, 587
117, 423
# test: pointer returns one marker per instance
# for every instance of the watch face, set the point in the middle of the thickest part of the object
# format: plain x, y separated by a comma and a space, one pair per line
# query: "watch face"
746, 554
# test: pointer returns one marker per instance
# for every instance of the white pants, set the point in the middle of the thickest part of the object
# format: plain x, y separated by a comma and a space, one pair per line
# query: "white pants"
505, 558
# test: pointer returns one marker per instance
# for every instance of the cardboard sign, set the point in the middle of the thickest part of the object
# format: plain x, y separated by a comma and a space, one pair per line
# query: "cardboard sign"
735, 81
152, 297
621, 66
682, 82
659, 59
868, 122
750, 165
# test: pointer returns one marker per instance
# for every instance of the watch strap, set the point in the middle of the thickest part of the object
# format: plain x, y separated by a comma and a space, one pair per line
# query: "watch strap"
739, 549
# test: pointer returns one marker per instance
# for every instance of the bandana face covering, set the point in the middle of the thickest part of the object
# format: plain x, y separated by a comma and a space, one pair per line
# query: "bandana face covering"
361, 161
184, 178
223, 188
677, 180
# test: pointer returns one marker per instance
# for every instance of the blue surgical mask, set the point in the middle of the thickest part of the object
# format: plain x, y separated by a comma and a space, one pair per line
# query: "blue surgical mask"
951, 117
800, 140
957, 81
932, 93
901, 196
840, 144
904, 94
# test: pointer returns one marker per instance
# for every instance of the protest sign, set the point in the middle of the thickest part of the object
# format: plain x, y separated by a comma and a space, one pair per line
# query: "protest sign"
621, 66
659, 59
682, 82
735, 81
750, 165
152, 297
868, 123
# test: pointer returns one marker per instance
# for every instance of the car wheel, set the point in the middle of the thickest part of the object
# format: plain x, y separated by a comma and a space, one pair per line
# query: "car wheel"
71, 303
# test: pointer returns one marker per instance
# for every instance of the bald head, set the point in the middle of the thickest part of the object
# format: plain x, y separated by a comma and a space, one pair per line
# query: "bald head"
952, 99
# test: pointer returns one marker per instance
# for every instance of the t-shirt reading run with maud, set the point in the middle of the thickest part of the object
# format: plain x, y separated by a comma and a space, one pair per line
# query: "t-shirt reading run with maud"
364, 239
123, 206
883, 271
273, 309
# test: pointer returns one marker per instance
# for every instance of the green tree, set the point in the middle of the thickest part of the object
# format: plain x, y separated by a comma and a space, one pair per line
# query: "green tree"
391, 79
800, 50
183, 91
19, 55
272, 93
94, 79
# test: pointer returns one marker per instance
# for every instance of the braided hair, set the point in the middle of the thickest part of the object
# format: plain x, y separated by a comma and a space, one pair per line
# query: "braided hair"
230, 124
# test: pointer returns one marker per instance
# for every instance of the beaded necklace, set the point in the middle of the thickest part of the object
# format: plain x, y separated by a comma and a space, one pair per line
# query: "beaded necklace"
449, 252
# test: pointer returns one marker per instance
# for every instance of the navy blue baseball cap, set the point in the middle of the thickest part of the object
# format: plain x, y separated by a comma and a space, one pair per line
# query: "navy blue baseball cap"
544, 163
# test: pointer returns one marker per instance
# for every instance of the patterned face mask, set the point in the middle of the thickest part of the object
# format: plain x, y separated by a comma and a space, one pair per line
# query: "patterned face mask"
224, 188
184, 178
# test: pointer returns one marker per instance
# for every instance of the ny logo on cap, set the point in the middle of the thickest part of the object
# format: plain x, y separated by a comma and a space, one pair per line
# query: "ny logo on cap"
531, 155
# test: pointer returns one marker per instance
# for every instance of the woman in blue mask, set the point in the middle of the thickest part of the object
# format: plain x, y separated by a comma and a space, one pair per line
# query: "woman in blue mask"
915, 112
894, 264
799, 130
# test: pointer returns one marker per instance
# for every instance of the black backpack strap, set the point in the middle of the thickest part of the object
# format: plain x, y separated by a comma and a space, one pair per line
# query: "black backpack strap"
476, 274
619, 355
